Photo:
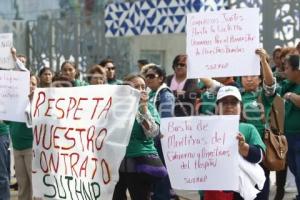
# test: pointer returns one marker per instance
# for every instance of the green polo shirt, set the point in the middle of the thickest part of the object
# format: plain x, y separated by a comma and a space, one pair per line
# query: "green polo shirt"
4, 129
292, 112
251, 135
21, 135
139, 144
114, 82
252, 109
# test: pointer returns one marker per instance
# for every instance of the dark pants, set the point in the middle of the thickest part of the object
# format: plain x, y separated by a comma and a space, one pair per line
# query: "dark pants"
162, 188
4, 167
264, 194
280, 183
139, 186
294, 157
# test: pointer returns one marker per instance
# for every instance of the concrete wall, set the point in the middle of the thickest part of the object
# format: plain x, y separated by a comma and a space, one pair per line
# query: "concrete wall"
171, 44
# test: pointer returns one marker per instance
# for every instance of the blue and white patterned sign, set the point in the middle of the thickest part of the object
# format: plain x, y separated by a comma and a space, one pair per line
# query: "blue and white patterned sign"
153, 16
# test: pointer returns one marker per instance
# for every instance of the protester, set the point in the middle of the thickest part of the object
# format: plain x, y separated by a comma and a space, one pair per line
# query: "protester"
108, 64
70, 70
282, 175
290, 90
141, 63
185, 90
251, 146
141, 165
4, 161
162, 97
96, 75
22, 139
45, 76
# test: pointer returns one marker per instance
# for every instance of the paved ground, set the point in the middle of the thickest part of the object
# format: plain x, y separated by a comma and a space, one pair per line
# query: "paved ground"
192, 195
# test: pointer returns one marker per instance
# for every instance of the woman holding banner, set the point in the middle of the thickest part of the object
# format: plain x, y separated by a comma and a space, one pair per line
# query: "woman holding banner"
141, 166
70, 70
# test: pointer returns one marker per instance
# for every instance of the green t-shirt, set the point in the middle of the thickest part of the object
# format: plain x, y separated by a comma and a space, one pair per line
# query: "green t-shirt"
252, 109
21, 135
114, 82
208, 103
292, 112
4, 129
250, 106
78, 83
139, 144
251, 135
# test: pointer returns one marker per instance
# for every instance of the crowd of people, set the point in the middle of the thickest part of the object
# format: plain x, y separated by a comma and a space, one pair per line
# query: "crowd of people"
142, 172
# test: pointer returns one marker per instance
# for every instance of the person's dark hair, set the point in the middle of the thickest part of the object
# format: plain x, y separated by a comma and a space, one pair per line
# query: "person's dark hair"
278, 49
61, 81
143, 61
44, 69
95, 69
293, 61
73, 64
158, 70
177, 59
105, 61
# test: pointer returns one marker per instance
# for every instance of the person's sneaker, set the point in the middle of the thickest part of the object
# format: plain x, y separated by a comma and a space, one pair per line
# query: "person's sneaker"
14, 186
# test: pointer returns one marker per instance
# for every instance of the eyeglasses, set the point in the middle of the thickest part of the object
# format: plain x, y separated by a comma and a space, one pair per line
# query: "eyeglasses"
151, 76
180, 65
110, 68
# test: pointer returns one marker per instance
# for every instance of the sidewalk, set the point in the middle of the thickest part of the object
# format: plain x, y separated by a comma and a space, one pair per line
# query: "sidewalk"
193, 195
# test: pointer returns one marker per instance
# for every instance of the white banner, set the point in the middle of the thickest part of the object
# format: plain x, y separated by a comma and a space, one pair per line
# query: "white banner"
80, 139
222, 43
6, 42
201, 153
14, 91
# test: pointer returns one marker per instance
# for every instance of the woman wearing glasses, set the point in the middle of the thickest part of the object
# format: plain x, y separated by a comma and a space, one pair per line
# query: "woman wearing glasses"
141, 166
185, 90
162, 97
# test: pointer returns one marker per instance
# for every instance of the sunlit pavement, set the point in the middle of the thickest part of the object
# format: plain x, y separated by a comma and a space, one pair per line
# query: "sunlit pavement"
193, 195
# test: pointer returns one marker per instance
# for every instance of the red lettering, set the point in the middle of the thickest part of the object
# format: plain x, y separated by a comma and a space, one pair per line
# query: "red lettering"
59, 108
73, 164
72, 104
106, 108
56, 137
49, 107
95, 169
78, 108
43, 162
83, 166
64, 155
69, 138
89, 140
38, 103
97, 102
100, 138
51, 163
105, 172
45, 138
80, 130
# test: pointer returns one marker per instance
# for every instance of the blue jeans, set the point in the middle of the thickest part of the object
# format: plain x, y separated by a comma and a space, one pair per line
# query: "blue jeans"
294, 157
4, 167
